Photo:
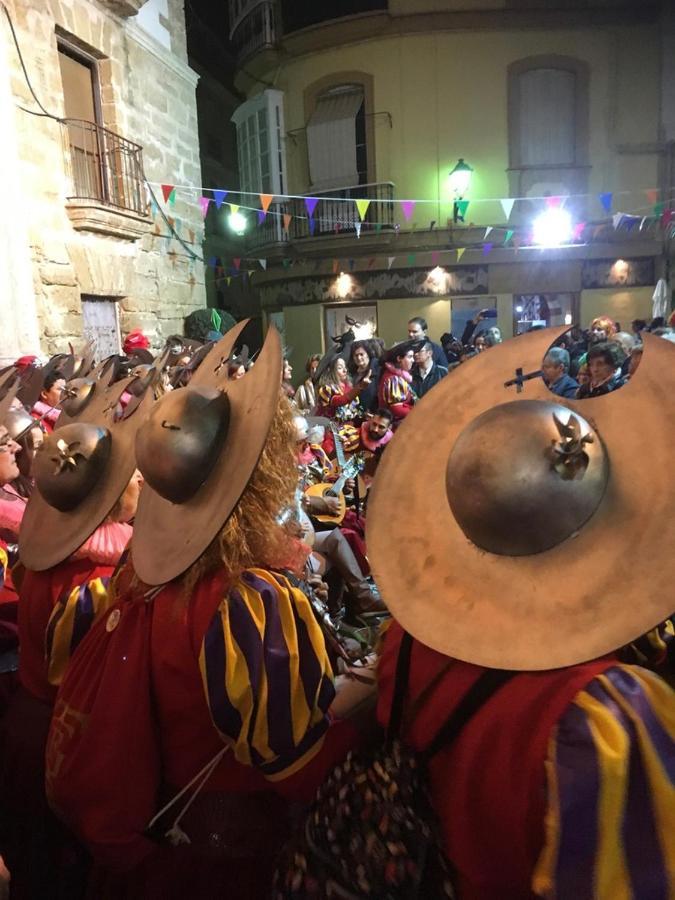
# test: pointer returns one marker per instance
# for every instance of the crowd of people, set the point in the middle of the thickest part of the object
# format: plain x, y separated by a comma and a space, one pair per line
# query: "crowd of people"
194, 630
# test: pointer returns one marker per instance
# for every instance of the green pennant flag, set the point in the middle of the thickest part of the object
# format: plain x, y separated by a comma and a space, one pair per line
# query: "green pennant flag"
462, 206
412, 258
378, 228
286, 263
509, 235
659, 208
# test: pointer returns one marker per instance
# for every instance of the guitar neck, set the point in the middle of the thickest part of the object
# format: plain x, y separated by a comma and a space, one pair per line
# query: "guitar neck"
338, 486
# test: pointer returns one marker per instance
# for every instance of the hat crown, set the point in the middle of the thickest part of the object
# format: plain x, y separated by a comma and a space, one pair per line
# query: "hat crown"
76, 395
70, 462
525, 476
178, 446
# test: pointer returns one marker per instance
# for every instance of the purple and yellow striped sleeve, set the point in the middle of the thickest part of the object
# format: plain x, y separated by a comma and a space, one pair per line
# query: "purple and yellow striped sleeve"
610, 822
266, 674
395, 390
4, 565
71, 619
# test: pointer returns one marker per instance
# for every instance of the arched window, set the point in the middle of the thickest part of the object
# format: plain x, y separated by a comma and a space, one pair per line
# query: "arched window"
548, 126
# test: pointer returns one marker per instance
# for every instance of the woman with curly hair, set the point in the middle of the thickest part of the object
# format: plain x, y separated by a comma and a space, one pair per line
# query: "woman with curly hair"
337, 397
305, 396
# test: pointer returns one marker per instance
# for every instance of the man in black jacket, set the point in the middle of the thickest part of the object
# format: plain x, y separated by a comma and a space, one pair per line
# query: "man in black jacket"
425, 373
418, 331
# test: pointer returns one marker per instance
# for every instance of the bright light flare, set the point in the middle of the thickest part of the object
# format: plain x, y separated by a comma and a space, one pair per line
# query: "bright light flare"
552, 228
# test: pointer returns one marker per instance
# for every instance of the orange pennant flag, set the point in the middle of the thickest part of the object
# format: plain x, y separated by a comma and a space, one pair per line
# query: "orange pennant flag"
265, 200
652, 194
287, 221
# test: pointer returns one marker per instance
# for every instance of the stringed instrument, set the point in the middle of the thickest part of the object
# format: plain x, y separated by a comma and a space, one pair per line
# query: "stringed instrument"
348, 469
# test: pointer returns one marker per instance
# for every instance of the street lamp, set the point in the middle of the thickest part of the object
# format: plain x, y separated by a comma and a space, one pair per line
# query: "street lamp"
237, 222
459, 180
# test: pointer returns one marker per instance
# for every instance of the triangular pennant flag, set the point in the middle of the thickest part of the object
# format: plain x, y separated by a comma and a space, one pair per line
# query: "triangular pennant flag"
617, 219
434, 259
486, 249
357, 225
167, 191
553, 202
352, 263
265, 200
312, 226
487, 232
219, 196
371, 262
311, 203
578, 230
262, 215
336, 266
285, 263
378, 228
228, 281
460, 253
204, 205
390, 261
652, 194
508, 236
642, 223
507, 206
234, 208
412, 258
462, 206
288, 218
236, 262
408, 207
263, 264
606, 200
658, 209
362, 206
667, 218
251, 273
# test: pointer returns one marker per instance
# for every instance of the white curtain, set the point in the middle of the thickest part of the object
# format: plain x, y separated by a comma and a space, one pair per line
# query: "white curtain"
547, 117
331, 141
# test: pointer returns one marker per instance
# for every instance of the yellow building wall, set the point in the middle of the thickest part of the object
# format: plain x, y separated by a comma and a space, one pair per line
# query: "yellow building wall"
447, 96
623, 306
304, 335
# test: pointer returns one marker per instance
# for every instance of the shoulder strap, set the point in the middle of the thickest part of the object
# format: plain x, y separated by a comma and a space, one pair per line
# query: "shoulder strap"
478, 694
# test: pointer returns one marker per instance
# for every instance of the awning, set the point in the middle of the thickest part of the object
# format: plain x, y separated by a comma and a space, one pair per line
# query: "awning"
331, 141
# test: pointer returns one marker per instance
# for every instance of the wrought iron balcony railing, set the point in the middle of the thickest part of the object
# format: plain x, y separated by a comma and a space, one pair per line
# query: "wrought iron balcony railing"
332, 215
257, 29
103, 166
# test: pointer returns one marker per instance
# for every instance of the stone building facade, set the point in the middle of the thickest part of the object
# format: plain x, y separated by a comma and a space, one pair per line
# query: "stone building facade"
83, 251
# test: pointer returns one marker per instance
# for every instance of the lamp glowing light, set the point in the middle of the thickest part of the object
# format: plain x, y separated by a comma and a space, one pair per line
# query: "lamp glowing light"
568, 318
437, 279
237, 222
552, 228
343, 285
460, 178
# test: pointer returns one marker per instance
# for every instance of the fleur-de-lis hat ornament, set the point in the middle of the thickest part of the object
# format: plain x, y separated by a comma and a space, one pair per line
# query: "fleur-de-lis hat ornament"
81, 470
540, 508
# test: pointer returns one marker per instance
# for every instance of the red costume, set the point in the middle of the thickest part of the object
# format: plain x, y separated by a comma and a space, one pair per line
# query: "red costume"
395, 393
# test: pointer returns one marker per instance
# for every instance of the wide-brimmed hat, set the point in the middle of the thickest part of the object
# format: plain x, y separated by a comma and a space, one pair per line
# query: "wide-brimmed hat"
197, 453
81, 470
400, 349
539, 531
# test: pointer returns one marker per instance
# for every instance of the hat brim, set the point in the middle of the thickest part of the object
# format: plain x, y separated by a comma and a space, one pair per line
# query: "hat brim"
48, 536
169, 537
593, 593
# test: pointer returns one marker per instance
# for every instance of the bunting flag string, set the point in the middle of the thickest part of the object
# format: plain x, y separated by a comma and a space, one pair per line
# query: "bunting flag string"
486, 249
460, 253
265, 201
507, 207
311, 204
652, 194
487, 232
462, 206
218, 197
390, 261
606, 200
168, 192
408, 207
288, 218
362, 207
204, 203
263, 264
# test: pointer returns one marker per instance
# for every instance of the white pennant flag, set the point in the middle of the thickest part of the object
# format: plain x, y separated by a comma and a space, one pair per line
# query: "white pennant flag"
507, 206
487, 232
617, 218
390, 261
357, 225
263, 264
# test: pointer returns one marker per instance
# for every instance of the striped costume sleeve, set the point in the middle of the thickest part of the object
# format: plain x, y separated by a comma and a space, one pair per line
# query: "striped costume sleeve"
395, 390
610, 822
325, 394
71, 619
266, 674
4, 566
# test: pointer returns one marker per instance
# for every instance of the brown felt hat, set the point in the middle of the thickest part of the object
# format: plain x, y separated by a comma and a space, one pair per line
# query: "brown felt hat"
518, 538
81, 471
197, 453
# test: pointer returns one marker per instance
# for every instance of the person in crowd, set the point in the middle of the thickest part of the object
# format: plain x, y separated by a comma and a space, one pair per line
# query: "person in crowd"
286, 376
634, 362
29, 436
363, 363
637, 326
623, 344
425, 372
561, 782
602, 329
418, 330
305, 396
479, 340
73, 534
555, 372
47, 408
240, 670
395, 388
337, 397
604, 375
376, 431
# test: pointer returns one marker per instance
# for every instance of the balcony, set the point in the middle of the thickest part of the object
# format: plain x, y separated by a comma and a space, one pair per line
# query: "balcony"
332, 215
298, 14
256, 28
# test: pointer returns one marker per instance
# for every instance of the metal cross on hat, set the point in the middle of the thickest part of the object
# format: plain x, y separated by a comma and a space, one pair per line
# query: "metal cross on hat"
520, 379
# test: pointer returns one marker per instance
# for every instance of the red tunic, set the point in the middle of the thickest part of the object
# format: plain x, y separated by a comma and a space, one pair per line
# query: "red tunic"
490, 784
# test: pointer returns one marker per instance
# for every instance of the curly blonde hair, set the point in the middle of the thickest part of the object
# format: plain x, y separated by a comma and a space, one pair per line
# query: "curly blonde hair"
252, 535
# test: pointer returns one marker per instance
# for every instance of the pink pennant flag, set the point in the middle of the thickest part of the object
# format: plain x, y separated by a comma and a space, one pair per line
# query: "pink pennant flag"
578, 230
553, 202
434, 258
204, 205
311, 204
408, 207
288, 218
265, 200
236, 262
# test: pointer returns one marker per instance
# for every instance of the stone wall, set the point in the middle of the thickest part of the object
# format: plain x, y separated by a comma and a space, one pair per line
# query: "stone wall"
147, 95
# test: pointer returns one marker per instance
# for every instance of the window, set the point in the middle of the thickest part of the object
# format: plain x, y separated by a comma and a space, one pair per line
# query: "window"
336, 139
548, 126
100, 323
543, 311
260, 144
